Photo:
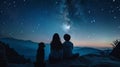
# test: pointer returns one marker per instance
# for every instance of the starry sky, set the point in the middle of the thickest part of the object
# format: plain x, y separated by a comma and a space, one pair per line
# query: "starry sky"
89, 22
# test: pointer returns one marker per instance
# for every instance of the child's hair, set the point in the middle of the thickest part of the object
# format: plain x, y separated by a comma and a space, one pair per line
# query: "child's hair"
67, 37
41, 44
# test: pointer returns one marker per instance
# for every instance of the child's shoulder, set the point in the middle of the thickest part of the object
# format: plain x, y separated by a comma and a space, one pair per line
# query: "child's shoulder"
67, 42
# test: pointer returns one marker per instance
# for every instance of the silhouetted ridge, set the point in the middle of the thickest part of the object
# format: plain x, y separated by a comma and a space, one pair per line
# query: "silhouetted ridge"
12, 56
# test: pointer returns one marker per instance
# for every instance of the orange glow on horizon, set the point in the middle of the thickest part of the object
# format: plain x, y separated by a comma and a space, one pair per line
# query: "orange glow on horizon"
91, 44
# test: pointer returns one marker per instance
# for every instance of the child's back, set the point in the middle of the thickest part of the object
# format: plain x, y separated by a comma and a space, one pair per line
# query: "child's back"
67, 47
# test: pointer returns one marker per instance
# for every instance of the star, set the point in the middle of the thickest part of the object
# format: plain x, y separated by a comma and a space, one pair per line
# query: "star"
14, 2
114, 17
21, 23
112, 11
21, 31
33, 31
37, 27
93, 21
119, 9
14, 5
118, 27
24, 0
102, 9
3, 23
114, 0
56, 2
1, 11
89, 11
4, 2
11, 33
9, 4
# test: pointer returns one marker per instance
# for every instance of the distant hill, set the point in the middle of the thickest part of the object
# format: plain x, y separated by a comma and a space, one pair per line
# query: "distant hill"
86, 50
24, 47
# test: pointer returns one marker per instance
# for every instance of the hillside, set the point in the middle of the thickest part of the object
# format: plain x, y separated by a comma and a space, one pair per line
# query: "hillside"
12, 56
90, 60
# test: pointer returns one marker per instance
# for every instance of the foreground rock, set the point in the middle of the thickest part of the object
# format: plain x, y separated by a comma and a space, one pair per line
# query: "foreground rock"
90, 60
3, 59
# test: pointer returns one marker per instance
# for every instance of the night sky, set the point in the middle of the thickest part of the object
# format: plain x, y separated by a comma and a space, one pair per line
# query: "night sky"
89, 22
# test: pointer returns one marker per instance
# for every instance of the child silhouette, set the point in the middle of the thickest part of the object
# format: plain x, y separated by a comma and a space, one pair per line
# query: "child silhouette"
56, 49
68, 47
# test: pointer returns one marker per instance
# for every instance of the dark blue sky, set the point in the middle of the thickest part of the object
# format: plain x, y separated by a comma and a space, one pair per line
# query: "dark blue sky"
90, 22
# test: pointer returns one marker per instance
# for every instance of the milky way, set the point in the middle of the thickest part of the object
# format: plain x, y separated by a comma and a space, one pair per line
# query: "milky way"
70, 9
89, 22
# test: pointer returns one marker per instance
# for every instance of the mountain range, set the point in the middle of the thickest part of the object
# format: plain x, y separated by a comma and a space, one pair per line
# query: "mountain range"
29, 48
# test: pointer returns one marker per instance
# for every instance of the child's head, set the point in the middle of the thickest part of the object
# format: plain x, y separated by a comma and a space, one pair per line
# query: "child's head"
67, 37
41, 44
